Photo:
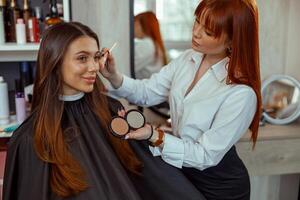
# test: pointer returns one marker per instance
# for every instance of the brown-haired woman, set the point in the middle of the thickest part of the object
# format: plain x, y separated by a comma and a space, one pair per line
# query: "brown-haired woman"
64, 149
149, 50
214, 95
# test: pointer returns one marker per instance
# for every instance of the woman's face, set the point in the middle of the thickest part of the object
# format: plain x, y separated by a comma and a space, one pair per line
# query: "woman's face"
204, 41
80, 65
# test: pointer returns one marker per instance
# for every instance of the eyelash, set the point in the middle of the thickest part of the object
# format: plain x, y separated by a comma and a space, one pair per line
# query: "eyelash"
84, 59
208, 33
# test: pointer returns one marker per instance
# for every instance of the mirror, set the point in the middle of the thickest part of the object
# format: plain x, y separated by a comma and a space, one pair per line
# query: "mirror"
281, 99
153, 46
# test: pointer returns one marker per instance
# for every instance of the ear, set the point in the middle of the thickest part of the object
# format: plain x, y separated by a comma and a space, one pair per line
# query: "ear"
228, 43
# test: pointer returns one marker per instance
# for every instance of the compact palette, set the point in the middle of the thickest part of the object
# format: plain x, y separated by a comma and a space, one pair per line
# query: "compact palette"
120, 126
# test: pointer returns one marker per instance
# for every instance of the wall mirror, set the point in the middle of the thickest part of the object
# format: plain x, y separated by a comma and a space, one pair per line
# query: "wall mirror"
175, 31
281, 99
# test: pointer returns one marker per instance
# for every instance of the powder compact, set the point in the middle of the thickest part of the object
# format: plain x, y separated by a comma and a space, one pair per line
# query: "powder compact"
120, 126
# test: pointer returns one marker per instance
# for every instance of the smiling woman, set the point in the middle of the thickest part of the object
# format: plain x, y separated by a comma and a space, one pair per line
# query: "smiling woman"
80, 66
65, 148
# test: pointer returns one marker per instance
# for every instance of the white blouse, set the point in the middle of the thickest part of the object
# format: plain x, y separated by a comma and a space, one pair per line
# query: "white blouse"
145, 61
207, 122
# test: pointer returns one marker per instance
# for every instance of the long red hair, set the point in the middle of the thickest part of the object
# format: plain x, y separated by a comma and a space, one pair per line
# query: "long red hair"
67, 177
238, 19
150, 26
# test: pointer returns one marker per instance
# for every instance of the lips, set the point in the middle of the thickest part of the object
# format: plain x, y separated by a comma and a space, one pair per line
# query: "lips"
195, 43
90, 79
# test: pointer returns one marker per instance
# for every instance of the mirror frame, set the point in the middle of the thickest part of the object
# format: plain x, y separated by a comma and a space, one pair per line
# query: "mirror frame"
131, 39
265, 84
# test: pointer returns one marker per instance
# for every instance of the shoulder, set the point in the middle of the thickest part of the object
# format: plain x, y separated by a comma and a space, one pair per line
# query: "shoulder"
187, 54
243, 93
24, 133
182, 58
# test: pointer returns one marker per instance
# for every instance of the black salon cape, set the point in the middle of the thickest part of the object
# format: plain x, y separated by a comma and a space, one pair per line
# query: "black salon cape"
27, 177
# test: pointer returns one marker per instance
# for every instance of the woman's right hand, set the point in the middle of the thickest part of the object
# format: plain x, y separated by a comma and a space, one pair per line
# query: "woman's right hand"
108, 69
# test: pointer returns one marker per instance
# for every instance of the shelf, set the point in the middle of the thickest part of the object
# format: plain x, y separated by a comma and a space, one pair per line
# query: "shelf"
19, 47
13, 52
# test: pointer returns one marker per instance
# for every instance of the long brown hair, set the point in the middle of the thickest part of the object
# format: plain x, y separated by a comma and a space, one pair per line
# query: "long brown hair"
150, 26
67, 177
238, 19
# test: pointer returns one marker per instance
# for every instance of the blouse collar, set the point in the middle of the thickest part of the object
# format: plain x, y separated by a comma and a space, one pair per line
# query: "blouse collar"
219, 69
73, 97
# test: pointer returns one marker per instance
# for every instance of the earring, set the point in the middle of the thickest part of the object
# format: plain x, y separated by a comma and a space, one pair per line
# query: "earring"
229, 49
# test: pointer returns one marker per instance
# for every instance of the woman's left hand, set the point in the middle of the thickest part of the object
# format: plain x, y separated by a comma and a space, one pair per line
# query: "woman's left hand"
139, 134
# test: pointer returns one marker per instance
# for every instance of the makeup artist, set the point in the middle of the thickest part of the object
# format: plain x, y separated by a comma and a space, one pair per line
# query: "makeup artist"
214, 95
64, 149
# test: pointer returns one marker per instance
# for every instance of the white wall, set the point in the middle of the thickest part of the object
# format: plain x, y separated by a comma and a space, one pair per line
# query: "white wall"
292, 64
279, 37
110, 20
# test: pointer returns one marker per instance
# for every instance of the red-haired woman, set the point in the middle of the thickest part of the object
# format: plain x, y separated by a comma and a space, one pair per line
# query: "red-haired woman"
214, 95
149, 53
64, 149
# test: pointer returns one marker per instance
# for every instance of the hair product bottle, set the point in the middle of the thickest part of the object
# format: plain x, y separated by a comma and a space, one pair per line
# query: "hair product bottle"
54, 15
21, 31
4, 104
13, 13
20, 102
26, 17
2, 21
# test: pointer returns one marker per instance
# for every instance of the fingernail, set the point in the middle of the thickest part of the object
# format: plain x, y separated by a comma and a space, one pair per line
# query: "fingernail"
126, 137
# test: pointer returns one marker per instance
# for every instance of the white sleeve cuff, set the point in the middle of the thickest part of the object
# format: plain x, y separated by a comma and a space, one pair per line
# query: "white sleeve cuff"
155, 151
173, 150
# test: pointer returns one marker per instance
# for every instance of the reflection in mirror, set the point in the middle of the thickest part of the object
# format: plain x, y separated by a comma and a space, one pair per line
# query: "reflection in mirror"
160, 35
281, 99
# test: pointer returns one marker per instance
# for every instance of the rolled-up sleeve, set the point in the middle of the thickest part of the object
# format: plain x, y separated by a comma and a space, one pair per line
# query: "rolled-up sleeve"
230, 123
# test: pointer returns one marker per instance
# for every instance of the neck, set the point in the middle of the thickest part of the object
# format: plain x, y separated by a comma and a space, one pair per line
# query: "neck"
212, 59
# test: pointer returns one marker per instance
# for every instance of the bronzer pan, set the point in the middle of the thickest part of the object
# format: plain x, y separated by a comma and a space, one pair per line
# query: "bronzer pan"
133, 119
119, 127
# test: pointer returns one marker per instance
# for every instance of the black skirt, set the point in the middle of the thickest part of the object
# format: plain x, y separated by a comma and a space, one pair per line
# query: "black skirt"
229, 180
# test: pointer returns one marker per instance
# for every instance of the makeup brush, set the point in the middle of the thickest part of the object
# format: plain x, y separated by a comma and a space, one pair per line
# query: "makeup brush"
110, 50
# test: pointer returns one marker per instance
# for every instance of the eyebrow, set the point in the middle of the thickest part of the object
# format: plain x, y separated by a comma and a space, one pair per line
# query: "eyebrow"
87, 52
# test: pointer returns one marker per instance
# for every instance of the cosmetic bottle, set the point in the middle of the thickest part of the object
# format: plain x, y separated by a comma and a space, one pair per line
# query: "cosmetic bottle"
33, 30
4, 104
21, 31
54, 15
39, 16
20, 102
2, 21
13, 13
26, 16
